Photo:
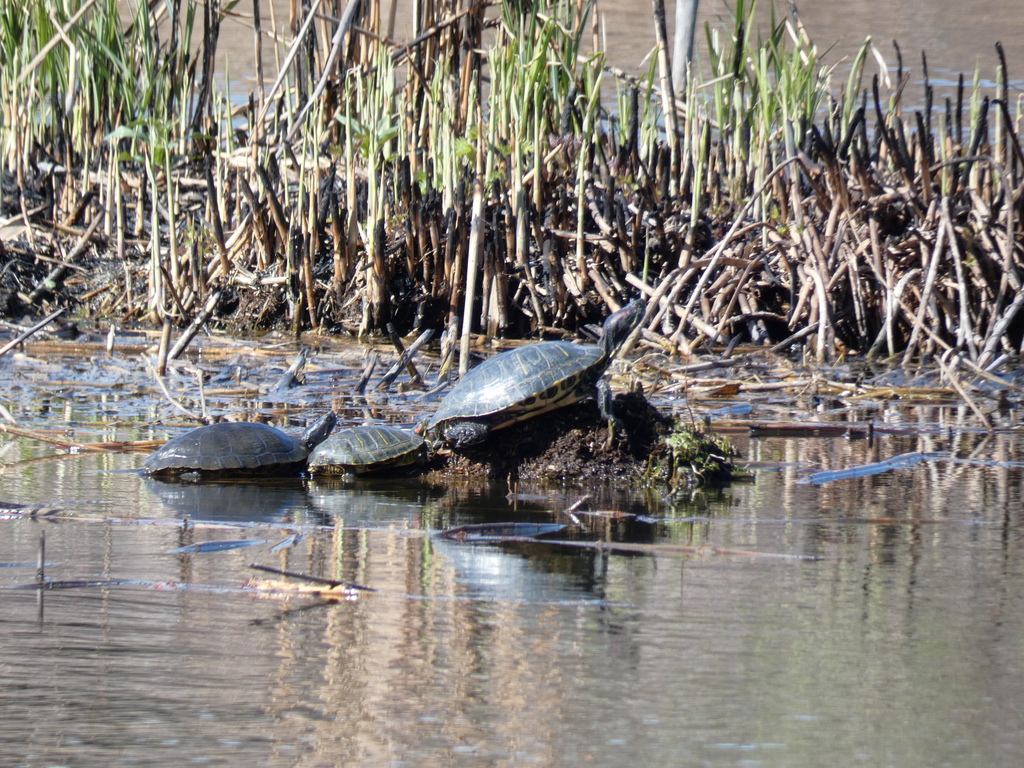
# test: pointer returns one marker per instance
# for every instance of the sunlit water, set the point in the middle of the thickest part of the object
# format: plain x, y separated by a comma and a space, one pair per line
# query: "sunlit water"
900, 644
958, 37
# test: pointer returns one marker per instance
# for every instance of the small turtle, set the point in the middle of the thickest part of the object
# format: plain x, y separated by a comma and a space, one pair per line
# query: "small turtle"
239, 448
533, 379
367, 449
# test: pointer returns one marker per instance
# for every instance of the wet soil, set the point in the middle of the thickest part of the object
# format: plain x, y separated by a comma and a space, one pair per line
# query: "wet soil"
569, 446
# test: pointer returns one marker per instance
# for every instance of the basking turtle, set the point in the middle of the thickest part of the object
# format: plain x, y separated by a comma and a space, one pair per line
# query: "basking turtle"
239, 448
533, 379
365, 450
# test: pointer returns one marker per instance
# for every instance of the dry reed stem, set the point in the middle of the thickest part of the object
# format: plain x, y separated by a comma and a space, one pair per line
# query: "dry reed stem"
569, 212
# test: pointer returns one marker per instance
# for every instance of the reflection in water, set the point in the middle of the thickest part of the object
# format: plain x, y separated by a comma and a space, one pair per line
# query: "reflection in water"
369, 503
523, 572
486, 654
232, 501
899, 646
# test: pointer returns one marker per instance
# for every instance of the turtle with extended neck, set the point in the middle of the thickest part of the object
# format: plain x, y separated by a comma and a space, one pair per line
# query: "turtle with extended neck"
239, 448
530, 380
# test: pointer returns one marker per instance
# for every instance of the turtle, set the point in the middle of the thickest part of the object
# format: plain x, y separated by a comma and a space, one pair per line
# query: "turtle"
239, 448
366, 450
524, 382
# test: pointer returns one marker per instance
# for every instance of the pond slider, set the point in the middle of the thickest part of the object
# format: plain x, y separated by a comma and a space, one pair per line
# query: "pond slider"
239, 448
368, 449
533, 379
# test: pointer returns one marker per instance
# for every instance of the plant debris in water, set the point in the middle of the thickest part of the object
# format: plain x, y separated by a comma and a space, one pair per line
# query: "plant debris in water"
497, 532
688, 456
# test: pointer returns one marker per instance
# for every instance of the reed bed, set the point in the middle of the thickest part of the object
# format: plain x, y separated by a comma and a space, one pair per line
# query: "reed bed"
492, 175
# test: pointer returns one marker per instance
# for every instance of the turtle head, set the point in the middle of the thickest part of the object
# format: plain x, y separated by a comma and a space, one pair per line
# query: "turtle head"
319, 430
619, 325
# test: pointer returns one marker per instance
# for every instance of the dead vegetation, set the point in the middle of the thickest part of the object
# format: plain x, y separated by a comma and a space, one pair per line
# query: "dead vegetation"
480, 177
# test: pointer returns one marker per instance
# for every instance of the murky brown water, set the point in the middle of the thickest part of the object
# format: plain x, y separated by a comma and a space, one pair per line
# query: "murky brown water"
899, 645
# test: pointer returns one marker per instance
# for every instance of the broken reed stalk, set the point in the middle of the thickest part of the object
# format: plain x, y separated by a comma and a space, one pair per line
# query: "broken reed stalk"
312, 579
197, 323
289, 377
756, 216
162, 350
405, 356
472, 267
21, 337
364, 377
405, 361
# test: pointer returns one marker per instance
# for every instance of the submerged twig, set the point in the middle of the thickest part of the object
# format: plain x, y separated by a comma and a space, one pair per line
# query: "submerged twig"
40, 436
901, 461
178, 406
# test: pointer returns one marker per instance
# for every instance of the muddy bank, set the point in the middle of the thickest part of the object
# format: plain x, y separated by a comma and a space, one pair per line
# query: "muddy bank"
572, 446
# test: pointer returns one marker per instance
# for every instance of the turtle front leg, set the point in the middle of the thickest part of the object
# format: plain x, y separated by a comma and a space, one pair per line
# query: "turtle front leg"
603, 395
466, 432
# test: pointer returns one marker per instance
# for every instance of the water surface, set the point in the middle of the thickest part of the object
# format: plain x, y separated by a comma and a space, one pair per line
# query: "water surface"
871, 621
957, 37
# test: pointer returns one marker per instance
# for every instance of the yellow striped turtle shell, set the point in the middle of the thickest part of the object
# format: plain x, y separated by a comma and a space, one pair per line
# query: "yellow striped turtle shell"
529, 380
366, 449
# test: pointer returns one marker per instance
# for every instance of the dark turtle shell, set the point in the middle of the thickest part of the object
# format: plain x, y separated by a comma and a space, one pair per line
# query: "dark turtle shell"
530, 380
366, 449
239, 448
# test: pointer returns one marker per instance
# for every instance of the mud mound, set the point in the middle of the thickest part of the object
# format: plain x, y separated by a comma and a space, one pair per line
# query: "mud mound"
570, 445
